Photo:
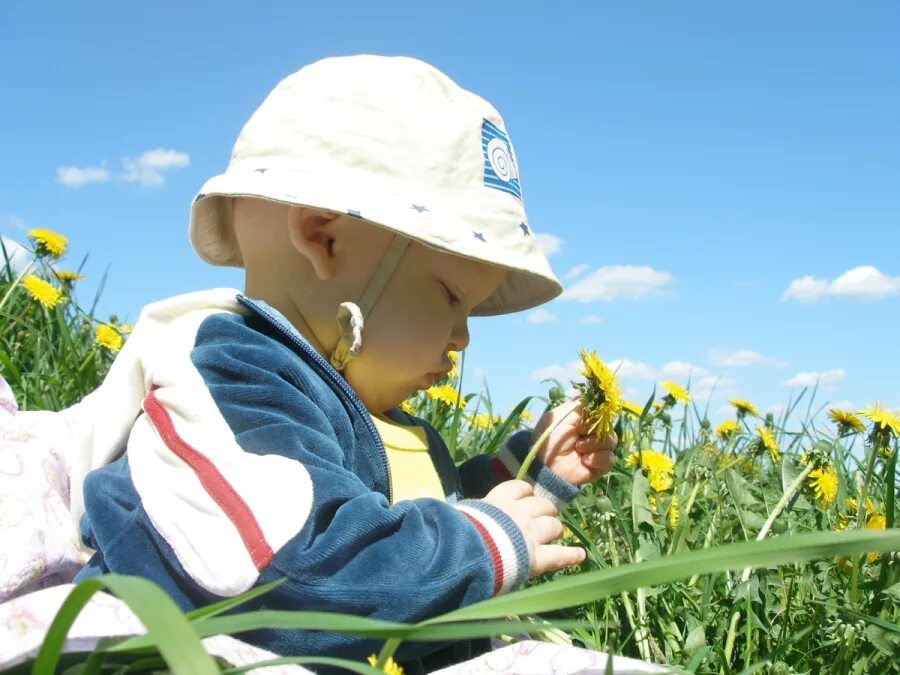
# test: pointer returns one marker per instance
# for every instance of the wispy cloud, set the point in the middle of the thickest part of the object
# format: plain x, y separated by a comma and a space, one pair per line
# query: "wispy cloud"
75, 176
564, 373
743, 357
15, 253
576, 272
591, 320
859, 283
148, 168
550, 243
541, 315
618, 282
827, 378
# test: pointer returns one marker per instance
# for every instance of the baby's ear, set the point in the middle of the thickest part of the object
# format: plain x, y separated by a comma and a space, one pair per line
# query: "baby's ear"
311, 233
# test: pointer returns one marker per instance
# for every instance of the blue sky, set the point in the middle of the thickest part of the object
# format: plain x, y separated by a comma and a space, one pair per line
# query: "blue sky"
716, 184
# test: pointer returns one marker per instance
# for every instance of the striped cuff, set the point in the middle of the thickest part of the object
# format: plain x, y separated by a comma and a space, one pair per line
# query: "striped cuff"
504, 541
547, 484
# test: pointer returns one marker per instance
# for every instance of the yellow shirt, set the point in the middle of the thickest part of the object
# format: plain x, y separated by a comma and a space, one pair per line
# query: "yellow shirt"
410, 468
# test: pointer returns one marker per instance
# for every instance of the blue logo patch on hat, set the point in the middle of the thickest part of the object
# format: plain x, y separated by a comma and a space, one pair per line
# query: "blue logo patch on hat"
501, 171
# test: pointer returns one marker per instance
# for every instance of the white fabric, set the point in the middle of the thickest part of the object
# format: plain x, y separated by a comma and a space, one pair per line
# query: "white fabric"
393, 141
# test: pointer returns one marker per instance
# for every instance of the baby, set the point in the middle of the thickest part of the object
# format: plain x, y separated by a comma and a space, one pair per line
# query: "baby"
241, 438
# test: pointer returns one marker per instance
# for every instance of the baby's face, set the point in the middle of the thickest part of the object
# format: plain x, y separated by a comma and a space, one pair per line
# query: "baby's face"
421, 315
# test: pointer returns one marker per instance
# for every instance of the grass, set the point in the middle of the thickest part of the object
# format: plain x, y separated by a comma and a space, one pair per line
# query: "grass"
733, 557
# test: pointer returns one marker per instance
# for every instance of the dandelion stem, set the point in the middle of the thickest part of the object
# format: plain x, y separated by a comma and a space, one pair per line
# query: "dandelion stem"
532, 453
779, 507
643, 647
387, 651
863, 492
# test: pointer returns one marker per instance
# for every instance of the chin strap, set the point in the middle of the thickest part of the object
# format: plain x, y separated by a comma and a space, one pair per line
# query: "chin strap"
351, 316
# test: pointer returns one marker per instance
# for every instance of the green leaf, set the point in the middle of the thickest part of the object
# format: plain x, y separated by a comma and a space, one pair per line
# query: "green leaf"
640, 507
591, 586
212, 610
353, 666
893, 592
167, 628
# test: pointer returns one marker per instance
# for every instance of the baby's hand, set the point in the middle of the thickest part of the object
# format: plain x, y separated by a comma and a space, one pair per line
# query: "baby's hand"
536, 518
570, 452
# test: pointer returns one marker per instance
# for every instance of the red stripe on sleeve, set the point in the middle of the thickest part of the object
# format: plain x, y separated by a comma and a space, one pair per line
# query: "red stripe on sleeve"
496, 559
215, 484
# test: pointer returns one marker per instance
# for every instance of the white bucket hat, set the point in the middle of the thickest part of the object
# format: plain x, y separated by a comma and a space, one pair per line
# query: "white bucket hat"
393, 141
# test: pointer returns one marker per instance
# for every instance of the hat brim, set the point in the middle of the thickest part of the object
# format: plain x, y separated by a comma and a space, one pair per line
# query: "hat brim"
442, 224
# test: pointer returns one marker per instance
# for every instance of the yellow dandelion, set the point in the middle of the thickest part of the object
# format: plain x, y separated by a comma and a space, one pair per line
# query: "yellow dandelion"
632, 408
391, 667
67, 277
657, 466
845, 420
42, 291
444, 393
408, 408
600, 397
108, 338
882, 418
48, 242
672, 513
767, 439
676, 391
727, 429
525, 416
877, 521
454, 359
743, 407
651, 500
868, 507
483, 420
824, 484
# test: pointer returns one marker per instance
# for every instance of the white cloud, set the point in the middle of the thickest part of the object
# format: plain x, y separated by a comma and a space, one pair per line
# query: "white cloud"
74, 176
541, 315
859, 283
576, 272
557, 372
550, 243
618, 282
632, 370
147, 169
17, 255
743, 357
827, 378
592, 320
682, 370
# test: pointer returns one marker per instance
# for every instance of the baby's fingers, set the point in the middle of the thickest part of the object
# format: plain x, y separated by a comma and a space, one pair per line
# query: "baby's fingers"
552, 557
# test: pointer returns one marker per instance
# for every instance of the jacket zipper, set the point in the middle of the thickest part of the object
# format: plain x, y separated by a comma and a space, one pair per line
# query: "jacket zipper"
335, 377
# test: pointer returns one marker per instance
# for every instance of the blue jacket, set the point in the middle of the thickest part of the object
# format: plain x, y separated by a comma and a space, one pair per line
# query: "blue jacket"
252, 460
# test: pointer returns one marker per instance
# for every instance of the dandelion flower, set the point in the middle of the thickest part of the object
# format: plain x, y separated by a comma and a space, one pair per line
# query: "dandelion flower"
632, 408
391, 667
42, 291
444, 393
48, 242
853, 506
483, 421
68, 277
657, 466
876, 521
408, 408
676, 391
823, 482
845, 420
525, 416
108, 338
743, 407
454, 359
882, 418
727, 429
672, 513
600, 398
767, 439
